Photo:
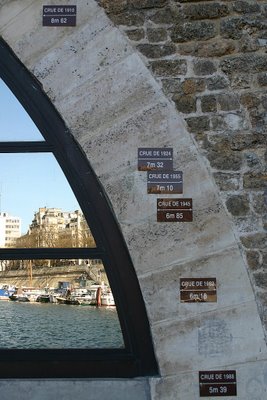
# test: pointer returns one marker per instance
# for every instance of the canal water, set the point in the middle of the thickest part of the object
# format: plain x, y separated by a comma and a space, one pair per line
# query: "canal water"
58, 326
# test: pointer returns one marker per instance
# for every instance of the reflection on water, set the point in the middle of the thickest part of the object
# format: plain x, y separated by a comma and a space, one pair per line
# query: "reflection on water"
44, 326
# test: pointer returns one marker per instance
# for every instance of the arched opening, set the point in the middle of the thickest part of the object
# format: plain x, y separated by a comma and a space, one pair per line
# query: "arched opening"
136, 358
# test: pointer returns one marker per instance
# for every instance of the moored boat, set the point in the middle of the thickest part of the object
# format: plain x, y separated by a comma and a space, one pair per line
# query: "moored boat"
6, 291
107, 299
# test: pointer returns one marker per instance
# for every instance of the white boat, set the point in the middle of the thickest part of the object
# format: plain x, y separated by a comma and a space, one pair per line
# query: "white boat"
107, 299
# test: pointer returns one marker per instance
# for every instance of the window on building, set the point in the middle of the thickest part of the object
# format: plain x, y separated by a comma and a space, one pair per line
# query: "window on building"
64, 239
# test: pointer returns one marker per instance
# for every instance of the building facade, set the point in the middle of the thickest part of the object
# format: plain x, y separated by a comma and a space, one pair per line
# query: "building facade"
10, 229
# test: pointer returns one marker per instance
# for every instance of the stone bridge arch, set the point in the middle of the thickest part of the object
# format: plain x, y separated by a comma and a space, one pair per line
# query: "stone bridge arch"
112, 105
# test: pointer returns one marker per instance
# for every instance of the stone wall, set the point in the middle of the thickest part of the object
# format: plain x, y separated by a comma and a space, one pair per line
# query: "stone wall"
112, 105
210, 59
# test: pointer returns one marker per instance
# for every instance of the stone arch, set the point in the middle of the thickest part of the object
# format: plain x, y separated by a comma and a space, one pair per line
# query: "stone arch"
112, 105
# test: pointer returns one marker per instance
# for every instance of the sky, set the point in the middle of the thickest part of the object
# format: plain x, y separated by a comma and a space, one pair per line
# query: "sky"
28, 181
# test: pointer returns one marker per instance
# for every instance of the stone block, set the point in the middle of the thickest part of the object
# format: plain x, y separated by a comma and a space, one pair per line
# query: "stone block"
254, 180
262, 79
251, 383
167, 16
135, 34
185, 103
238, 205
163, 301
244, 63
255, 240
193, 85
198, 124
245, 7
211, 48
156, 50
217, 82
128, 18
208, 103
204, 67
156, 35
253, 259
169, 68
227, 181
139, 4
210, 230
80, 60
205, 10
117, 93
228, 101
27, 36
232, 335
118, 142
197, 30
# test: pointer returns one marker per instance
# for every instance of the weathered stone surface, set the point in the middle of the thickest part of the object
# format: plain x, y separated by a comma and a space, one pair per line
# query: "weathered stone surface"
156, 34
171, 85
250, 100
156, 50
185, 104
198, 30
196, 124
167, 16
254, 180
253, 259
245, 7
225, 160
228, 102
259, 202
221, 156
241, 81
128, 18
135, 34
164, 300
193, 85
169, 67
238, 205
217, 339
244, 63
262, 79
212, 48
254, 241
243, 141
91, 389
185, 386
204, 67
236, 27
261, 279
147, 3
205, 11
115, 6
217, 82
227, 181
208, 103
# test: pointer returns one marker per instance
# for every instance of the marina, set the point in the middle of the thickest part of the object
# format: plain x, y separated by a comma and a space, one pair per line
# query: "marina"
96, 295
62, 317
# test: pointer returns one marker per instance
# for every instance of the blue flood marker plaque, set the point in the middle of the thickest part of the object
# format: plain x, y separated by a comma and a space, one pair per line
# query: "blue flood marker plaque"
155, 159
164, 182
59, 15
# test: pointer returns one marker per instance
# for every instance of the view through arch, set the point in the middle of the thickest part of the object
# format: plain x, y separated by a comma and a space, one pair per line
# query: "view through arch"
131, 353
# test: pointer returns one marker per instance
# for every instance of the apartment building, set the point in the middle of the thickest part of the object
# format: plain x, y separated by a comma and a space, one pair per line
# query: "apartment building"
10, 229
